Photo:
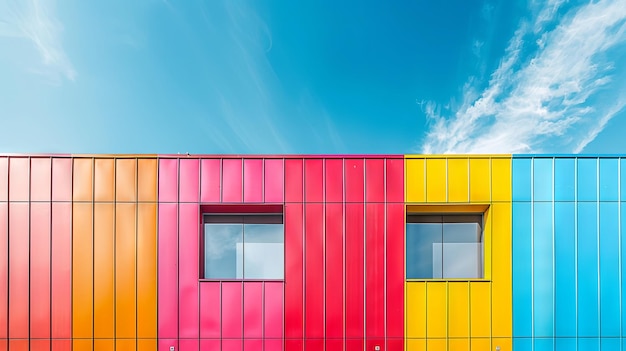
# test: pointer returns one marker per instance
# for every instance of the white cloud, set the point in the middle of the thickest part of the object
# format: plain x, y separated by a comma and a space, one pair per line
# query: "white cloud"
35, 20
552, 98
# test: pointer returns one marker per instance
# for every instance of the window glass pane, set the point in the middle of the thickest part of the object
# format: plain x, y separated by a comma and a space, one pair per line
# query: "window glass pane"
223, 257
263, 251
462, 247
423, 250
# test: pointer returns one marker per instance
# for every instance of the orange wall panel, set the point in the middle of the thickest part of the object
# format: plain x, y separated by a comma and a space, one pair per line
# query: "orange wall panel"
125, 288
126, 180
82, 272
146, 271
82, 188
104, 284
147, 180
104, 179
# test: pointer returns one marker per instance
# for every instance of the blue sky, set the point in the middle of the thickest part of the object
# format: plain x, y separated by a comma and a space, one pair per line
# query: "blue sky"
312, 76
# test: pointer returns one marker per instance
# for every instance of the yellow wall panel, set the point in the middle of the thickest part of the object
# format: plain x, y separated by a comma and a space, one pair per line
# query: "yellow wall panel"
458, 309
436, 180
480, 344
146, 344
125, 180
458, 345
415, 180
82, 344
480, 180
436, 310
416, 345
82, 188
415, 309
146, 271
436, 344
504, 343
501, 241
147, 175
104, 269
104, 180
458, 179
82, 272
502, 317
125, 292
104, 345
480, 309
501, 179
125, 345
487, 223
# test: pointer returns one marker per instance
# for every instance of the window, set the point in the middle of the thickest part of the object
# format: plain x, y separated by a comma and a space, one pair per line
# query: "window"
444, 247
244, 246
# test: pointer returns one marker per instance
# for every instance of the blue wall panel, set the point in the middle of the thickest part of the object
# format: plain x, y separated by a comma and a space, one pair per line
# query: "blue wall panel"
609, 270
521, 177
623, 250
609, 179
522, 344
610, 344
522, 273
587, 270
542, 270
564, 179
542, 179
565, 268
565, 344
623, 179
587, 175
588, 344
542, 344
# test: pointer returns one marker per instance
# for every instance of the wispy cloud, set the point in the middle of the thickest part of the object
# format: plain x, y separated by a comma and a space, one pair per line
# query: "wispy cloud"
551, 88
36, 21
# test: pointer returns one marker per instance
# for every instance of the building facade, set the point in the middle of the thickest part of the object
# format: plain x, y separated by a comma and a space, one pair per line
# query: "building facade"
295, 253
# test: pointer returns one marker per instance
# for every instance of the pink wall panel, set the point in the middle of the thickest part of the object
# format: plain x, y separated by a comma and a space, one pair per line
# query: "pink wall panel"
375, 270
18, 270
313, 180
165, 344
188, 344
232, 188
354, 270
168, 272
40, 270
4, 179
273, 345
334, 344
232, 310
334, 180
189, 180
61, 179
375, 180
168, 180
4, 268
210, 344
395, 180
253, 309
395, 270
210, 181
294, 344
188, 238
40, 179
274, 180
353, 170
273, 310
294, 247
39, 344
18, 345
210, 310
334, 270
61, 297
253, 180
18, 179
252, 344
293, 180
314, 270
232, 344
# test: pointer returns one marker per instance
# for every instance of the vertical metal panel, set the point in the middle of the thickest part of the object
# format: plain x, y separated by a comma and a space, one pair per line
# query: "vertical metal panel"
415, 310
564, 177
253, 180
82, 271
188, 344
334, 180
232, 322
458, 175
501, 179
543, 318
252, 344
19, 179
165, 344
521, 179
232, 344
232, 182
4, 179
415, 180
562, 344
313, 344
609, 179
253, 309
274, 180
416, 345
313, 181
622, 179
210, 310
82, 344
61, 344
375, 270
294, 180
480, 180
147, 344
543, 344
21, 345
526, 344
334, 270
314, 270
125, 271
4, 269
459, 344
480, 310
587, 270
436, 310
436, 186
588, 344
146, 270
40, 270
354, 345
353, 175
61, 298
501, 293
104, 270
210, 181
104, 180
294, 344
565, 269
374, 180
188, 270
542, 179
147, 171
189, 182
40, 178
273, 310
609, 270
436, 344
333, 344
610, 344
168, 180
273, 344
168, 271
396, 344
371, 343
623, 260
294, 248
61, 179
587, 176
354, 270
395, 180
458, 309
522, 269
126, 180
104, 344
395, 270
210, 344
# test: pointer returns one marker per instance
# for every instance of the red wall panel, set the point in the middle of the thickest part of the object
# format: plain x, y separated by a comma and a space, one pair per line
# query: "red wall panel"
189, 180
4, 179
18, 179
253, 180
313, 180
40, 270
375, 180
396, 344
273, 310
334, 180
375, 270
334, 344
168, 272
293, 180
354, 175
4, 268
354, 344
294, 344
274, 180
210, 310
18, 270
354, 270
253, 309
232, 187
61, 298
231, 310
61, 179
334, 270
294, 247
188, 238
210, 181
314, 270
313, 344
168, 180
395, 270
40, 179
395, 180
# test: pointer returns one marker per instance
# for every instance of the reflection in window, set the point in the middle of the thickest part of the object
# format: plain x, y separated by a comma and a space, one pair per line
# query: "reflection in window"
243, 247
444, 247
